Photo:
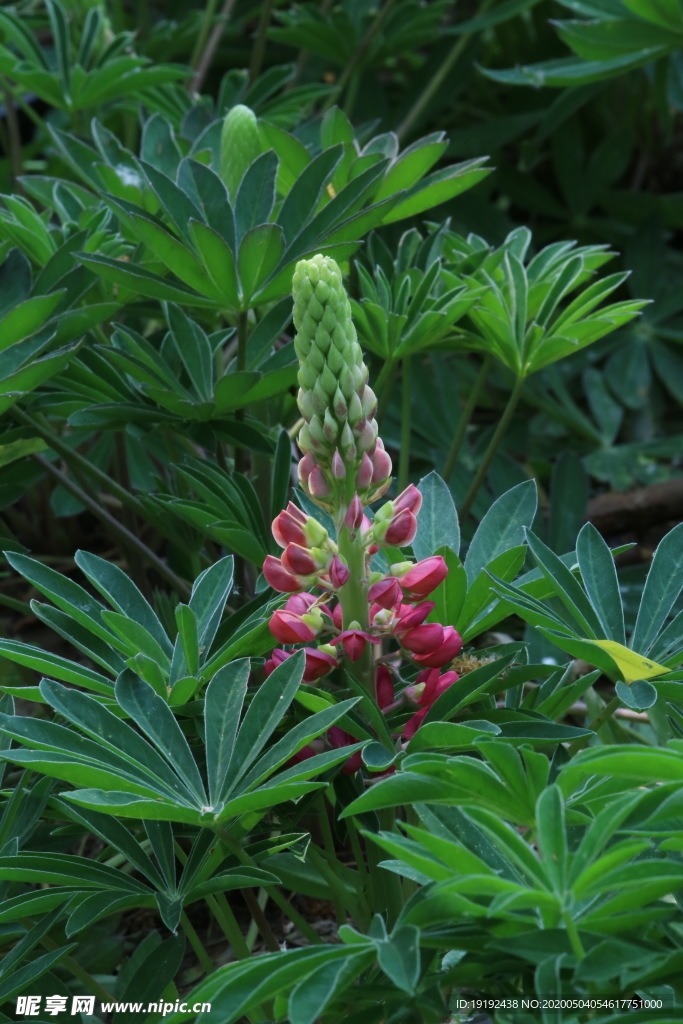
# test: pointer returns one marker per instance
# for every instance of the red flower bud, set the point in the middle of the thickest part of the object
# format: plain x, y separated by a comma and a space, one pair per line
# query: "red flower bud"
411, 615
381, 463
402, 529
424, 639
299, 604
340, 739
288, 628
279, 578
434, 684
385, 592
364, 474
384, 686
413, 724
276, 658
318, 664
424, 576
410, 499
298, 560
288, 526
338, 572
355, 642
445, 652
337, 615
338, 467
306, 464
354, 514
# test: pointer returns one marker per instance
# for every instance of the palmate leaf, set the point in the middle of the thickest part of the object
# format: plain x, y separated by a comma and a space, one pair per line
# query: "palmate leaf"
155, 775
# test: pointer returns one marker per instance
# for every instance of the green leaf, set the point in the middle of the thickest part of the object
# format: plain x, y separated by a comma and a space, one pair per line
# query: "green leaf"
502, 527
194, 349
218, 261
439, 187
551, 836
600, 580
640, 694
399, 957
156, 720
210, 593
437, 523
662, 587
143, 282
449, 596
566, 586
260, 252
266, 710
56, 666
222, 709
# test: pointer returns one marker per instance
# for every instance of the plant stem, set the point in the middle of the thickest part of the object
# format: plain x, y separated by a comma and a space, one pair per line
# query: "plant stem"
359, 53
383, 385
222, 911
353, 597
573, 934
406, 423
259, 918
273, 892
465, 418
196, 943
257, 54
437, 80
597, 722
205, 58
498, 435
13, 136
164, 570
73, 967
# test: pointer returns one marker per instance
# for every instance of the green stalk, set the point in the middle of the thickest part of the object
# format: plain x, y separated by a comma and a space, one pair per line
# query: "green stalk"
353, 597
573, 935
383, 385
260, 920
73, 967
331, 854
13, 136
205, 55
599, 720
498, 435
406, 417
257, 54
363, 914
273, 892
222, 911
207, 20
466, 417
197, 945
358, 54
385, 887
115, 526
437, 80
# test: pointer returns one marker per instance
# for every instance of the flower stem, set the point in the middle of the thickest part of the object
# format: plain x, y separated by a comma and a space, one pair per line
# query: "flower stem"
573, 934
353, 596
437, 80
599, 720
498, 435
259, 49
222, 911
465, 418
196, 943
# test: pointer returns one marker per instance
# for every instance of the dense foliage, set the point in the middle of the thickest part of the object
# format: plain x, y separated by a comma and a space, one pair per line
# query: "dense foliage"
340, 439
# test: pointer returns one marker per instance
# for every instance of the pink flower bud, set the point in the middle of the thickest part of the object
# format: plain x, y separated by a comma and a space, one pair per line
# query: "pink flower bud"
299, 604
448, 650
279, 578
289, 628
338, 572
299, 560
337, 615
354, 514
288, 526
355, 641
434, 684
384, 687
381, 463
317, 484
338, 466
365, 470
424, 577
386, 592
318, 664
402, 529
276, 658
424, 639
306, 464
411, 615
340, 739
410, 498
414, 723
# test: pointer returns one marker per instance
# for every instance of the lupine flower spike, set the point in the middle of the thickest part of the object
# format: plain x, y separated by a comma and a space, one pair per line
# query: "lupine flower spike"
337, 601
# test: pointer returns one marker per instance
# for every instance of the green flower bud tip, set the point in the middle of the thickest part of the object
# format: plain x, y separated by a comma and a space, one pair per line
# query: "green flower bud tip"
241, 144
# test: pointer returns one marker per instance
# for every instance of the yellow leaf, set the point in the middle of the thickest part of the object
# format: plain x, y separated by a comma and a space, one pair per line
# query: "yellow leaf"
631, 665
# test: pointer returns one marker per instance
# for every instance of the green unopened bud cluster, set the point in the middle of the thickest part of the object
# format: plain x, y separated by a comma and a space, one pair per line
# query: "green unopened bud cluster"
241, 144
342, 452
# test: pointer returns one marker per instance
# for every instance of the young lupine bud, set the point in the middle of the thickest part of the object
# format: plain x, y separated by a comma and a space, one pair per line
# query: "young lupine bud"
301, 561
317, 484
386, 592
384, 687
364, 474
354, 514
289, 628
338, 466
424, 639
411, 615
424, 576
279, 578
355, 640
338, 572
241, 144
410, 498
401, 568
276, 658
381, 463
318, 664
306, 467
446, 651
402, 529
288, 526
